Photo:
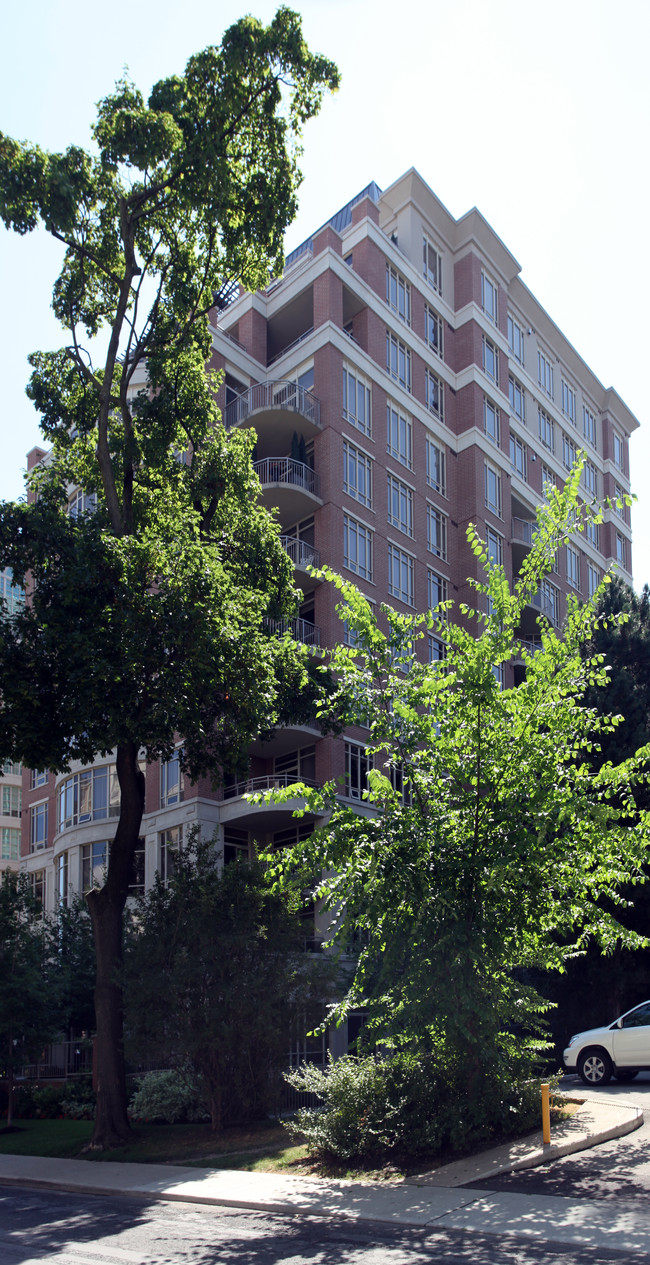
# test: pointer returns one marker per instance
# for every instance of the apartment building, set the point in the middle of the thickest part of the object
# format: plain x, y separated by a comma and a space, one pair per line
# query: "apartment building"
11, 782
402, 382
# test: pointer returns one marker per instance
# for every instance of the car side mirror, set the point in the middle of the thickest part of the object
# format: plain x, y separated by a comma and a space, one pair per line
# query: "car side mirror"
619, 1023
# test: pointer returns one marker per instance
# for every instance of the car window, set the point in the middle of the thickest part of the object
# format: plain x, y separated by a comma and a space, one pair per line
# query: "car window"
637, 1018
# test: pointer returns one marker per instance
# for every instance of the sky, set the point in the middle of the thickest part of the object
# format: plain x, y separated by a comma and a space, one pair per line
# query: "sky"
538, 115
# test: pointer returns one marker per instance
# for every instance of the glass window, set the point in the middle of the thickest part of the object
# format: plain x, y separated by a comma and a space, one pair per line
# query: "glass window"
593, 579
492, 489
437, 649
10, 767
434, 393
621, 550
398, 360
357, 764
591, 533
494, 544
37, 882
546, 429
433, 326
437, 589
569, 402
89, 796
518, 457
432, 265
489, 299
398, 294
516, 340
436, 467
589, 426
545, 373
12, 801
573, 567
235, 845
491, 420
357, 547
94, 860
490, 360
169, 844
436, 532
357, 474
38, 827
548, 482
37, 777
400, 575
62, 889
10, 843
171, 780
399, 435
356, 401
568, 452
517, 397
590, 478
400, 505
617, 446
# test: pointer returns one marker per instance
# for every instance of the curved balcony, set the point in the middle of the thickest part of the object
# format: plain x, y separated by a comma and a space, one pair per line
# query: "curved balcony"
235, 807
303, 556
289, 486
298, 629
279, 406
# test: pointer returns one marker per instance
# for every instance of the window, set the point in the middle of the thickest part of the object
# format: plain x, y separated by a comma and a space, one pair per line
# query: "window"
621, 551
61, 888
491, 420
589, 426
11, 768
38, 827
398, 294
436, 467
434, 393
357, 474
437, 590
398, 361
171, 781
517, 398
298, 765
399, 435
357, 764
489, 298
492, 489
350, 635
516, 340
437, 649
37, 883
94, 860
436, 532
12, 801
617, 449
546, 429
356, 401
569, 402
9, 843
545, 373
81, 503
619, 501
12, 594
37, 777
494, 544
548, 601
433, 330
400, 575
357, 547
235, 845
548, 482
573, 567
590, 478
593, 579
90, 796
432, 265
518, 457
568, 452
170, 843
400, 505
490, 360
591, 532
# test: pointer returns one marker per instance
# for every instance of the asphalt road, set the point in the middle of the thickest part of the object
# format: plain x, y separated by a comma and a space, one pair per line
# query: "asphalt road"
617, 1170
71, 1229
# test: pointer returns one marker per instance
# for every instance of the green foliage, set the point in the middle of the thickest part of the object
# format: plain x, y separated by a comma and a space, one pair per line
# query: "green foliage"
78, 1101
29, 981
168, 1098
215, 980
409, 1104
500, 854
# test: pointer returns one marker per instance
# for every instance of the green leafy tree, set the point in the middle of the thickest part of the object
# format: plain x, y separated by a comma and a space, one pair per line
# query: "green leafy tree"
147, 616
490, 841
30, 1012
217, 979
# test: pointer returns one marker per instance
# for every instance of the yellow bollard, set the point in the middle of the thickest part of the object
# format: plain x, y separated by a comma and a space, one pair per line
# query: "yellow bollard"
546, 1114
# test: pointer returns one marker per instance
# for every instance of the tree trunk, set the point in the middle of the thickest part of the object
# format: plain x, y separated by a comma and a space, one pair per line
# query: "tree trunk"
106, 906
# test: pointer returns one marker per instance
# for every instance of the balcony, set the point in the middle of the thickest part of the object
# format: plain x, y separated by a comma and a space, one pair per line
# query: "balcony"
303, 556
547, 604
289, 486
275, 408
263, 817
298, 629
523, 530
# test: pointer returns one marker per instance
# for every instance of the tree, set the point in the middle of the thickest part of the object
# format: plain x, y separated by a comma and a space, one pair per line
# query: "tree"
216, 980
490, 840
147, 612
29, 982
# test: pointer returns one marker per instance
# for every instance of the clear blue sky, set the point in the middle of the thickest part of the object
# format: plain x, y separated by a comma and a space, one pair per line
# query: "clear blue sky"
537, 114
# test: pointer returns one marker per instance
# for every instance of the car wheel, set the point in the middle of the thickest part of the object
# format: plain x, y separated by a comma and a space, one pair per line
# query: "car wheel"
626, 1073
595, 1067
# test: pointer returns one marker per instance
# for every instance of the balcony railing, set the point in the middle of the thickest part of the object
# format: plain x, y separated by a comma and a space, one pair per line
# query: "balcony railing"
530, 644
299, 629
270, 782
523, 530
280, 394
301, 554
286, 470
60, 1060
546, 604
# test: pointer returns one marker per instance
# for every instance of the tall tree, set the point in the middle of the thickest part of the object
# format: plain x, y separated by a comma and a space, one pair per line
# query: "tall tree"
147, 616
493, 841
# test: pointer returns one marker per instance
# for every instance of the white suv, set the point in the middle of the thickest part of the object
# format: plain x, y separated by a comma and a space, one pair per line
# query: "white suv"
622, 1049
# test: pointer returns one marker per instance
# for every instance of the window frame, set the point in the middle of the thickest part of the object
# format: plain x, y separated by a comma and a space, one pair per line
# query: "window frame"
405, 564
397, 353
402, 291
365, 532
400, 426
362, 390
437, 547
358, 463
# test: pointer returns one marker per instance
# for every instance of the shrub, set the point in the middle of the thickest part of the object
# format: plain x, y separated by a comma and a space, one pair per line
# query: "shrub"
408, 1104
168, 1098
39, 1103
79, 1101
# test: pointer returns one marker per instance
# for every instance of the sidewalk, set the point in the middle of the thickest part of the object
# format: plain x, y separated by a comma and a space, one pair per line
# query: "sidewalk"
433, 1199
